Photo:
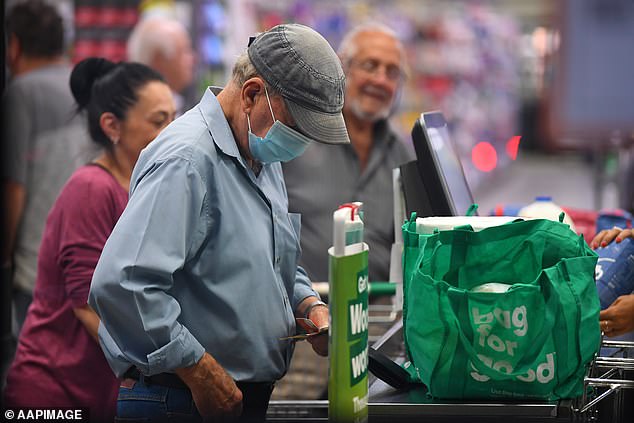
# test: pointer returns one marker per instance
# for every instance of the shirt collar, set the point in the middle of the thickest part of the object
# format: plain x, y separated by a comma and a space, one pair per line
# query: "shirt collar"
220, 130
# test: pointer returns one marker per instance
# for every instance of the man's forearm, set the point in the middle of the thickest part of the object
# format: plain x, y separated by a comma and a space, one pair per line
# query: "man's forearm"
213, 390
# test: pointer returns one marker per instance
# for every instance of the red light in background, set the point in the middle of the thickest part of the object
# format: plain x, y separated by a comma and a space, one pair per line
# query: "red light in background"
512, 145
484, 156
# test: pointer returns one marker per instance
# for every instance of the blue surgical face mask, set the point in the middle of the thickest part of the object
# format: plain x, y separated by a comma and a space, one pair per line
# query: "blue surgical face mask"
280, 144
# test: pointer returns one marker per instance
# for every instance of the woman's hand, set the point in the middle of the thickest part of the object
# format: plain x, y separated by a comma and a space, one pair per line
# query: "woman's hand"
606, 236
618, 319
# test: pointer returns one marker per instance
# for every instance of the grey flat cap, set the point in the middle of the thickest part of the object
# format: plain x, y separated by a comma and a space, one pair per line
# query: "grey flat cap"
300, 64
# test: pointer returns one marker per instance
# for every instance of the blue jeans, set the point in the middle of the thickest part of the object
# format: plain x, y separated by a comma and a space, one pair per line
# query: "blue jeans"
142, 402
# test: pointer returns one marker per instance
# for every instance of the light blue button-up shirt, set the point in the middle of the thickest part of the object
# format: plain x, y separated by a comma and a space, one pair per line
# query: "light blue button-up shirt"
204, 258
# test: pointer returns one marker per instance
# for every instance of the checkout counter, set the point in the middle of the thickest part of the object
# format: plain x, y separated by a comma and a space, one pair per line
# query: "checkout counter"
610, 384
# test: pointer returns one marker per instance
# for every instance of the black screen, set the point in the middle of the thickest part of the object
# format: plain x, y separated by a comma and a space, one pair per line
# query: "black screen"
441, 188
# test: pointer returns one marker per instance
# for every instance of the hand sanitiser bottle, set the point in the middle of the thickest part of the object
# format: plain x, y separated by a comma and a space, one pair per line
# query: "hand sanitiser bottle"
348, 302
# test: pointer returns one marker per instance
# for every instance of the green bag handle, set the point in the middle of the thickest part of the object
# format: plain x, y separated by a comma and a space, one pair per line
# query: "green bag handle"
432, 243
552, 303
472, 209
437, 240
458, 238
466, 227
411, 224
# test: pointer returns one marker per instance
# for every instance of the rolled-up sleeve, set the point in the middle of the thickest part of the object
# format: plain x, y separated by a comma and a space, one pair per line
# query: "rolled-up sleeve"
164, 222
303, 287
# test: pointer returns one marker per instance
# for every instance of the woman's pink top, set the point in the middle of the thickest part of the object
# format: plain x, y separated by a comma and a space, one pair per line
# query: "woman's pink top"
57, 362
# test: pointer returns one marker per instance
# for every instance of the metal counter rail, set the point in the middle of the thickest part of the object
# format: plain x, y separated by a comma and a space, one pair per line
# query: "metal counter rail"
390, 406
608, 372
295, 411
392, 409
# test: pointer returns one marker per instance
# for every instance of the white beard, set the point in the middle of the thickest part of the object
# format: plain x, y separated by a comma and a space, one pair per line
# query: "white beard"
356, 109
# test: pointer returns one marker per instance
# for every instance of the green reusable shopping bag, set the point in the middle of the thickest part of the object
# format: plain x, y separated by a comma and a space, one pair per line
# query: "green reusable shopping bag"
533, 341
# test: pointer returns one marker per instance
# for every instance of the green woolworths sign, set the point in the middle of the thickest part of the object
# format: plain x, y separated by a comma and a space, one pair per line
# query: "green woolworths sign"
348, 342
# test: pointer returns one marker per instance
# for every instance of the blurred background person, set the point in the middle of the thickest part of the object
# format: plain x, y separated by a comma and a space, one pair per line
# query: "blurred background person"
326, 176
164, 44
42, 143
58, 361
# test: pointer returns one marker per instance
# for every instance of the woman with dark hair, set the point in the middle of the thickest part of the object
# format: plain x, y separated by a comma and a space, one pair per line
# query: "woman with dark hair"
58, 362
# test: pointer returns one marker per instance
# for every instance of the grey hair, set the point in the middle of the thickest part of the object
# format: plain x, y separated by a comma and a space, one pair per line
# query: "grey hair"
348, 47
148, 38
244, 70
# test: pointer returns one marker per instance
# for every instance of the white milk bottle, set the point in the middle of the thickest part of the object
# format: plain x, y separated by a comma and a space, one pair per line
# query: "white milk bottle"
544, 208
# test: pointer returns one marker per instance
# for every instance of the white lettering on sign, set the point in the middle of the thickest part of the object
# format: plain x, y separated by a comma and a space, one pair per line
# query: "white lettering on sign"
358, 318
359, 403
359, 363
362, 283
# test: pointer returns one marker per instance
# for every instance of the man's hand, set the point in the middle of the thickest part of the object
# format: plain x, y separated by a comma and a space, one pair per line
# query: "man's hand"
215, 394
319, 316
619, 317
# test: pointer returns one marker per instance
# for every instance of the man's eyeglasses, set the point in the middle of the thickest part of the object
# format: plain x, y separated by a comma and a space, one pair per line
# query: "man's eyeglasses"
372, 67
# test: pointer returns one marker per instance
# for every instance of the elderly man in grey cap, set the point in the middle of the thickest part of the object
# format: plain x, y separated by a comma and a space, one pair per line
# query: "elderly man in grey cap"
198, 287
